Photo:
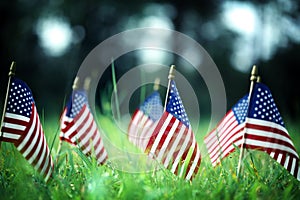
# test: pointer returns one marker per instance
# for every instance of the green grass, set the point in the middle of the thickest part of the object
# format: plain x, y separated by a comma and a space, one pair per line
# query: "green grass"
78, 177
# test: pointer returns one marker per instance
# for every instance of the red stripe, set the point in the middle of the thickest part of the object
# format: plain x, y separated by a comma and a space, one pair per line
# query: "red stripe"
34, 148
11, 130
172, 140
15, 121
248, 135
183, 156
225, 147
30, 124
102, 151
164, 136
268, 129
76, 121
132, 119
156, 131
191, 160
220, 127
85, 134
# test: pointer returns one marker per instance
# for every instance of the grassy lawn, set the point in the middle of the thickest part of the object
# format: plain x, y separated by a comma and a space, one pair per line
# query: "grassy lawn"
78, 177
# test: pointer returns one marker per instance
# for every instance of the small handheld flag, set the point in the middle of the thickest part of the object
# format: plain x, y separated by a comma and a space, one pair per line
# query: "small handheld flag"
219, 142
143, 119
172, 139
22, 127
79, 128
265, 130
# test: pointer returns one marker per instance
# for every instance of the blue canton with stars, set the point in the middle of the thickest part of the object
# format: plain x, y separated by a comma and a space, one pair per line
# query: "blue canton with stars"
263, 106
75, 104
175, 106
152, 106
19, 98
240, 109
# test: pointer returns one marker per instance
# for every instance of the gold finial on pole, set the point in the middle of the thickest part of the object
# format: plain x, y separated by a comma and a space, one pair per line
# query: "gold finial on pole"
172, 72
253, 78
75, 83
12, 70
156, 84
87, 83
171, 76
254, 73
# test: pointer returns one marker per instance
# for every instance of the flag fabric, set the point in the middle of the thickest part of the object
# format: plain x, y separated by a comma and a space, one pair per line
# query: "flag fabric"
79, 128
143, 119
229, 132
265, 130
22, 127
172, 140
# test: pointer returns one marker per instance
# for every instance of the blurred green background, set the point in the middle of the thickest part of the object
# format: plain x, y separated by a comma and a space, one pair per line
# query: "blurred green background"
50, 39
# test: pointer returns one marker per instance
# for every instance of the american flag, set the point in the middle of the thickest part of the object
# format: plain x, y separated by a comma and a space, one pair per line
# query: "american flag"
22, 127
219, 142
143, 119
79, 128
172, 140
265, 130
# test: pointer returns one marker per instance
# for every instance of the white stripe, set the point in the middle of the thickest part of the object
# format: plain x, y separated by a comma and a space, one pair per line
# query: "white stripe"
293, 166
44, 151
224, 149
76, 124
271, 145
160, 134
193, 167
34, 141
298, 174
286, 163
224, 121
167, 140
46, 163
32, 158
14, 126
30, 132
82, 130
279, 157
11, 136
212, 138
222, 144
144, 121
146, 135
16, 116
174, 146
253, 131
133, 129
183, 147
102, 157
187, 161
100, 146
266, 123
272, 154
87, 139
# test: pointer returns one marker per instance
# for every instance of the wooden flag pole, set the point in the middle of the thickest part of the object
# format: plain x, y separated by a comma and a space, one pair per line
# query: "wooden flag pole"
74, 87
253, 79
11, 73
171, 76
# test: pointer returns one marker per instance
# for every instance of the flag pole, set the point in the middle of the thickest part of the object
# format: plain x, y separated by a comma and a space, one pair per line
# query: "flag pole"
171, 76
74, 87
156, 84
115, 89
11, 73
253, 78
